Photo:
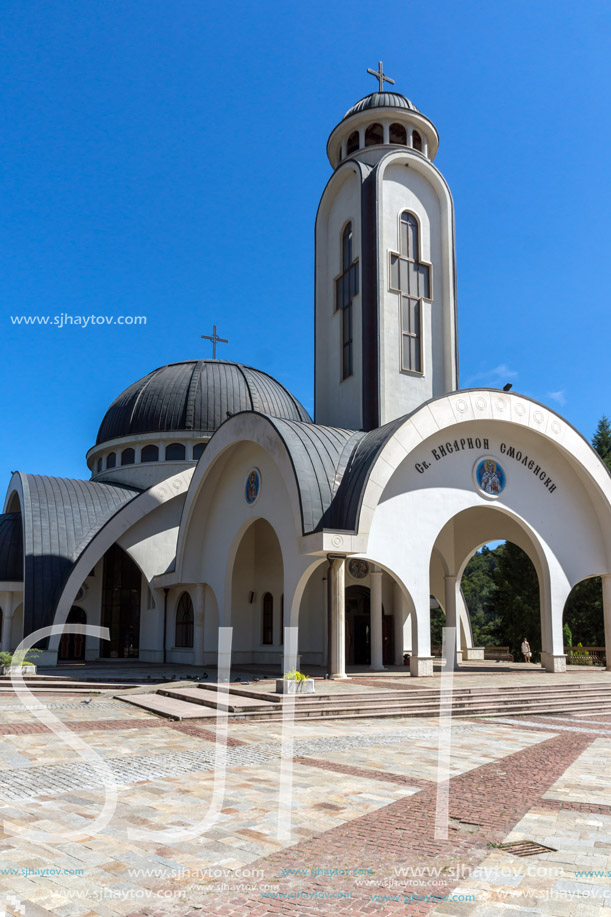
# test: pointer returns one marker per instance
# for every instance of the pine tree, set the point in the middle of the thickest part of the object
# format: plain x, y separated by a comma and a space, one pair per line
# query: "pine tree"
602, 440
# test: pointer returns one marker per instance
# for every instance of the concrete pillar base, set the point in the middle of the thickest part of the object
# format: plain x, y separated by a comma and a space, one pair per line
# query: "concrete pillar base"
421, 666
472, 653
553, 662
339, 677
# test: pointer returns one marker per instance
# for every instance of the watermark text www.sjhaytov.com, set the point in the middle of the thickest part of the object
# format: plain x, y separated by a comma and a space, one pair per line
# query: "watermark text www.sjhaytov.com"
79, 321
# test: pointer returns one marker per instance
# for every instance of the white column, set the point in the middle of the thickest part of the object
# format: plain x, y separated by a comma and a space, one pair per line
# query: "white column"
607, 615
7, 605
451, 614
410, 136
421, 661
386, 132
553, 598
398, 616
199, 605
337, 576
361, 137
375, 620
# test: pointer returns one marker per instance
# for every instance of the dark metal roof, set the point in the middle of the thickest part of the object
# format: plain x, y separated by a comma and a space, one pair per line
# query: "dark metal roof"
319, 456
60, 518
344, 512
196, 395
381, 100
11, 548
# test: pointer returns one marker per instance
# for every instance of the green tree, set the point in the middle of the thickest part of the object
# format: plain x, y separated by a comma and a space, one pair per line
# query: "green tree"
584, 613
515, 600
477, 586
602, 440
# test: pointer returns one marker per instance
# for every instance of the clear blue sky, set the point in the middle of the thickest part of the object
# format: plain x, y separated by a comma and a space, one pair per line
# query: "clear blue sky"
166, 159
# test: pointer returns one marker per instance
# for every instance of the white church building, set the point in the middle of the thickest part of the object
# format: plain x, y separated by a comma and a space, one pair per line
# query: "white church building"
215, 500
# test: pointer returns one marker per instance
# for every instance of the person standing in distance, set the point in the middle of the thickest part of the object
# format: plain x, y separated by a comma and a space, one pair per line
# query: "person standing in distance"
526, 651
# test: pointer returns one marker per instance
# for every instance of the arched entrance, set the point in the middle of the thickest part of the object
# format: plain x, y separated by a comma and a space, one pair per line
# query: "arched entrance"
72, 646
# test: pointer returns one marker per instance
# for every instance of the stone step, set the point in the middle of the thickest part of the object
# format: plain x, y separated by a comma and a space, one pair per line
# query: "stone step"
167, 706
232, 702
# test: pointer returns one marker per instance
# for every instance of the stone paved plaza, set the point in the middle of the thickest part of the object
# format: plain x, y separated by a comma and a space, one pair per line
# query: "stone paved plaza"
367, 830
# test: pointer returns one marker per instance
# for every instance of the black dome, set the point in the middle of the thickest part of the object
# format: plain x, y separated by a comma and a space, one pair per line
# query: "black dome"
196, 395
381, 100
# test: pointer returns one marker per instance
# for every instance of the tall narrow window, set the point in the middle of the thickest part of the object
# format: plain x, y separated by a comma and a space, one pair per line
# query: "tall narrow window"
374, 135
111, 460
346, 288
397, 134
184, 621
417, 141
128, 457
150, 454
411, 279
353, 143
268, 619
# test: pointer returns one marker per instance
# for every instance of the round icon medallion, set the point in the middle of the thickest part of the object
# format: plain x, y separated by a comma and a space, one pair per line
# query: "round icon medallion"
489, 476
253, 486
358, 568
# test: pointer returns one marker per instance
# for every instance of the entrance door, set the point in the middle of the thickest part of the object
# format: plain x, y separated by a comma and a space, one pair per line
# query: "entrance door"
358, 633
121, 605
72, 646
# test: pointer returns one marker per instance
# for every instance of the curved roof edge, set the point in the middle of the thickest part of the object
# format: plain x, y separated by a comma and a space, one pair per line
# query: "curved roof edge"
60, 516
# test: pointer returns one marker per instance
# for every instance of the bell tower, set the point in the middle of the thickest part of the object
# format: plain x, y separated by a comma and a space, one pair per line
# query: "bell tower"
385, 336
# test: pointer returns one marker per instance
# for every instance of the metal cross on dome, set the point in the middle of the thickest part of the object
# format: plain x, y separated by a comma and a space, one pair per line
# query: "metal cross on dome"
215, 339
381, 76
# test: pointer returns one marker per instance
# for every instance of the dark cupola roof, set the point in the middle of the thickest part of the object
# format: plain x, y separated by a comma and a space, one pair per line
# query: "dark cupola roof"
381, 100
196, 395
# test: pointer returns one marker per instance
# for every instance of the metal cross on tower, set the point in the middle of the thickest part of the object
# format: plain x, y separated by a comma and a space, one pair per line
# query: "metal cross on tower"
215, 339
381, 76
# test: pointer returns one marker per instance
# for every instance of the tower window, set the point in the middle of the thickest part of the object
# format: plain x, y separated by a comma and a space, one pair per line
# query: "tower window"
150, 454
99, 465
374, 135
346, 288
128, 457
417, 141
111, 460
411, 279
198, 451
268, 619
184, 621
398, 134
353, 143
175, 452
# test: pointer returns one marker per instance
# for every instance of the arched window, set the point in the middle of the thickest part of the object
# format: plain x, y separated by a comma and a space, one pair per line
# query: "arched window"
150, 454
184, 621
374, 134
268, 619
346, 288
175, 452
417, 141
353, 143
99, 466
398, 134
111, 460
128, 457
411, 280
198, 450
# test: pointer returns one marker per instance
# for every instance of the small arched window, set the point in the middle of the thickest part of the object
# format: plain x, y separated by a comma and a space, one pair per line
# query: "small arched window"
398, 134
111, 459
175, 452
374, 135
198, 451
150, 454
99, 466
184, 621
268, 619
353, 143
128, 457
417, 141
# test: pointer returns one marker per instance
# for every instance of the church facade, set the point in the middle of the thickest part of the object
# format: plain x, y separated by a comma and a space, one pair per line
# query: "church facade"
214, 499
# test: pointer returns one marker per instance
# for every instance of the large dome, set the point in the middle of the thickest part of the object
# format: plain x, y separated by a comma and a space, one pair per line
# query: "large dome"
196, 395
381, 100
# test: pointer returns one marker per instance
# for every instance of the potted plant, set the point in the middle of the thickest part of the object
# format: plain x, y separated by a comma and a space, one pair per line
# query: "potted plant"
17, 662
294, 683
